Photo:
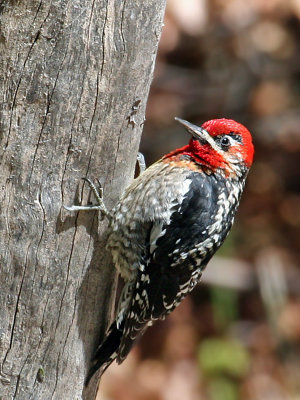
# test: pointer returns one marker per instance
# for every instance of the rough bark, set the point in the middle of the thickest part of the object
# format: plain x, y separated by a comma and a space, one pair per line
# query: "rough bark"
74, 78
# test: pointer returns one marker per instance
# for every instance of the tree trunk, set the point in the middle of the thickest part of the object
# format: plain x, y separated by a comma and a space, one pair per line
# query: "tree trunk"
74, 78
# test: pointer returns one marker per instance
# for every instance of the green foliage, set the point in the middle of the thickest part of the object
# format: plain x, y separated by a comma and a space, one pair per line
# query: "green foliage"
222, 388
228, 248
225, 306
223, 357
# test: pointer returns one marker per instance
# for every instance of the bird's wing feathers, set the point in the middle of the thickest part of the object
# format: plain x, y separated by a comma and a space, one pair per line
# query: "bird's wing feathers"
168, 272
144, 207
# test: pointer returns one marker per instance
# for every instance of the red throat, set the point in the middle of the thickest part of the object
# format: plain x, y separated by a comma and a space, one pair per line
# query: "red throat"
202, 154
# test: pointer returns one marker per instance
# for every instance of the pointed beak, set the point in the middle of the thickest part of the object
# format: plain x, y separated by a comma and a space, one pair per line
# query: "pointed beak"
198, 133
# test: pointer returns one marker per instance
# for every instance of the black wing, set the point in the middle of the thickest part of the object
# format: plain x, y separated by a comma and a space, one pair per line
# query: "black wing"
173, 264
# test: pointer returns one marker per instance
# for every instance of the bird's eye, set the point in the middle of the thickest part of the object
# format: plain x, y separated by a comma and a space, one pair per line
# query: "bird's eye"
225, 143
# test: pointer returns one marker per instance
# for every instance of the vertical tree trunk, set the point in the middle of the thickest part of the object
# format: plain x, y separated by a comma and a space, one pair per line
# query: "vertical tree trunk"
74, 78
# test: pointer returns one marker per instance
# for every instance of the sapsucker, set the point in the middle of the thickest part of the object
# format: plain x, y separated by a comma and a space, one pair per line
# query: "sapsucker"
169, 223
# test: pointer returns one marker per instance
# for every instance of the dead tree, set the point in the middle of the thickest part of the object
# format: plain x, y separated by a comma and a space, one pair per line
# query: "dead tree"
74, 79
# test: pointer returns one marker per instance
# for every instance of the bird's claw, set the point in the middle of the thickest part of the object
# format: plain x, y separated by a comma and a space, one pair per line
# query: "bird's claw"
98, 193
141, 162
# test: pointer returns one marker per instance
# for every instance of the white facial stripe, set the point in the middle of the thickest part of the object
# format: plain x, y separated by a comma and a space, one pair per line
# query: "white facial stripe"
206, 136
233, 144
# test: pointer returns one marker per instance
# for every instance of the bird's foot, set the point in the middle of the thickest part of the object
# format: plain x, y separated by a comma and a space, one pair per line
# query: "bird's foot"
98, 193
141, 162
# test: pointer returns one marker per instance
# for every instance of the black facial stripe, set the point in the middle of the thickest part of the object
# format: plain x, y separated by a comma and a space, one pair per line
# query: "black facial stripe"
236, 137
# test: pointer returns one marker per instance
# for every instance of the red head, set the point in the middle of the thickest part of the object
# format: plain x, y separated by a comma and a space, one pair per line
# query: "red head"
219, 144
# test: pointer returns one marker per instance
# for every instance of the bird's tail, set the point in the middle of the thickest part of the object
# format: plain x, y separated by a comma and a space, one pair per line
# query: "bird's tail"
107, 352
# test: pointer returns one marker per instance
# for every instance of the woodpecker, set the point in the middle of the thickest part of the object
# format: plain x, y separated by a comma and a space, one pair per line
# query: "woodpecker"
167, 226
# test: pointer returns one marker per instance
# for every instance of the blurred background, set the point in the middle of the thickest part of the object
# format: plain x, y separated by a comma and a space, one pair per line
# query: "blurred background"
238, 335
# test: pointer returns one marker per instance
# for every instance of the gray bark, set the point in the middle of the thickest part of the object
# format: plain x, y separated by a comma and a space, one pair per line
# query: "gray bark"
74, 78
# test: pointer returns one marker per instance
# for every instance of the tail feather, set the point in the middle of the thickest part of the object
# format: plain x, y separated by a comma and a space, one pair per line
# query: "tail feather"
107, 352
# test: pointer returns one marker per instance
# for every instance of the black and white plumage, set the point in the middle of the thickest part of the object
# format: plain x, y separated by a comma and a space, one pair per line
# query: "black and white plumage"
167, 226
